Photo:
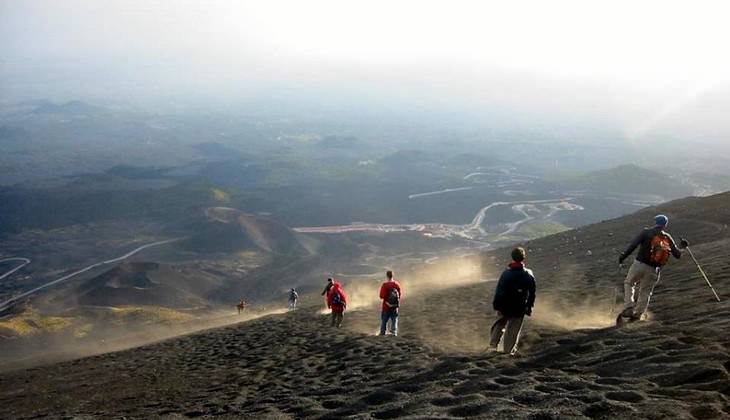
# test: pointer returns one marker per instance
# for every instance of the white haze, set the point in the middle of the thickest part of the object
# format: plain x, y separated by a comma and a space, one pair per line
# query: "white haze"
647, 68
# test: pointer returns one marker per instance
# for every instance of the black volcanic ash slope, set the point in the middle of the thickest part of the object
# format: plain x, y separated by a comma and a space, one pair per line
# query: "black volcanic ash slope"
293, 366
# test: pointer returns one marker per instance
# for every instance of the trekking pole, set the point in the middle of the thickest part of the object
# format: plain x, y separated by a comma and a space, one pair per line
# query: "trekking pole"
651, 292
703, 274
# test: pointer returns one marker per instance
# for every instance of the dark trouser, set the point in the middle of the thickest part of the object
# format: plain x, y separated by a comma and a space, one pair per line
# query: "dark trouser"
512, 327
337, 318
392, 316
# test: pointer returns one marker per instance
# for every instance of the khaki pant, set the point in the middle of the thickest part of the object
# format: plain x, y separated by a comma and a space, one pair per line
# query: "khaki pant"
637, 285
506, 329
337, 319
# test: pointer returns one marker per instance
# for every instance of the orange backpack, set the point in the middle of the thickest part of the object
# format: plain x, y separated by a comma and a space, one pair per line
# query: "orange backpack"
660, 250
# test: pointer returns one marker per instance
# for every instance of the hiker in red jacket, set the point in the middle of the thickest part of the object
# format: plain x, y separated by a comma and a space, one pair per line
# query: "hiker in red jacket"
337, 301
390, 293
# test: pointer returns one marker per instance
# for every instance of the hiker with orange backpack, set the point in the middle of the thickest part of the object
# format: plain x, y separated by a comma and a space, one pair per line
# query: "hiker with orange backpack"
655, 245
337, 302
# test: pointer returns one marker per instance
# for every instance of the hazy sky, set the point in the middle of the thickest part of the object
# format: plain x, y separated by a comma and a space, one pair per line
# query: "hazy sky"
640, 63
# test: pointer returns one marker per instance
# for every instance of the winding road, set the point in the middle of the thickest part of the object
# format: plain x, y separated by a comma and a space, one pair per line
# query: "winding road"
448, 190
473, 230
8, 303
25, 261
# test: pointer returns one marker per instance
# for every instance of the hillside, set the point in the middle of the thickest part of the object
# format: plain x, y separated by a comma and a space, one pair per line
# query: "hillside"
230, 230
573, 363
626, 179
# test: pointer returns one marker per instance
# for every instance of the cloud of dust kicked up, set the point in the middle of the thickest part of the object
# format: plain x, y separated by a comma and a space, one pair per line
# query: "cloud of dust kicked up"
587, 311
432, 320
445, 273
122, 338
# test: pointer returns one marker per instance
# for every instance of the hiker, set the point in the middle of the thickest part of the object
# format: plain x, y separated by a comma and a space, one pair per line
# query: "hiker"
241, 306
513, 299
293, 297
330, 282
391, 294
337, 301
655, 247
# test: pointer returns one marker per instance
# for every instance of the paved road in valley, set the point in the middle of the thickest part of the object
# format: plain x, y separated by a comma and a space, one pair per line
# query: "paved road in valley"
5, 305
24, 262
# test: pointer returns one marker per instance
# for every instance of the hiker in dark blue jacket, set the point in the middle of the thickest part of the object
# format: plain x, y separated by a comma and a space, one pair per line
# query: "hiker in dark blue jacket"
513, 299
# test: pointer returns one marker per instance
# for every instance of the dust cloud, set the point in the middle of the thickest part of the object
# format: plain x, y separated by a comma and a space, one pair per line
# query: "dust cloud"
588, 311
117, 338
443, 274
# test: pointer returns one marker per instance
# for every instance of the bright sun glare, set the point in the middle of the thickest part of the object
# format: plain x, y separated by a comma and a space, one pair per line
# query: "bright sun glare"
649, 41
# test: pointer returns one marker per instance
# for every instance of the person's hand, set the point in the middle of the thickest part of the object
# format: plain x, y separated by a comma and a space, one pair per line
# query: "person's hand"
528, 312
683, 243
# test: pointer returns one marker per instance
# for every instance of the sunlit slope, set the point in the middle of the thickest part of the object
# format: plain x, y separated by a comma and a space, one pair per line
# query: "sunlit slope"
226, 229
572, 364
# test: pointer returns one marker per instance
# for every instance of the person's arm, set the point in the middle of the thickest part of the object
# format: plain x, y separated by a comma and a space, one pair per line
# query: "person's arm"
531, 299
636, 242
498, 294
383, 291
675, 250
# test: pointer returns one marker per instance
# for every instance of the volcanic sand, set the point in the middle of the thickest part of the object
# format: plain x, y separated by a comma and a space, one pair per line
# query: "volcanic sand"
572, 363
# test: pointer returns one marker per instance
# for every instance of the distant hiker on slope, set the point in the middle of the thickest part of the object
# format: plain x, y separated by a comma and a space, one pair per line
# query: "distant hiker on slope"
337, 301
293, 298
513, 299
655, 247
391, 294
241, 306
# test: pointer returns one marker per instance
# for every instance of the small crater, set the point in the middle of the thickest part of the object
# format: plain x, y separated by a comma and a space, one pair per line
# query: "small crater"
607, 410
332, 404
506, 380
381, 397
391, 413
626, 396
471, 410
706, 412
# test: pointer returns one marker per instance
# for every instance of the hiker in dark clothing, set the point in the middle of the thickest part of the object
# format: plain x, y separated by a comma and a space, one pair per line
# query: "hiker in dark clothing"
655, 246
293, 298
513, 299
